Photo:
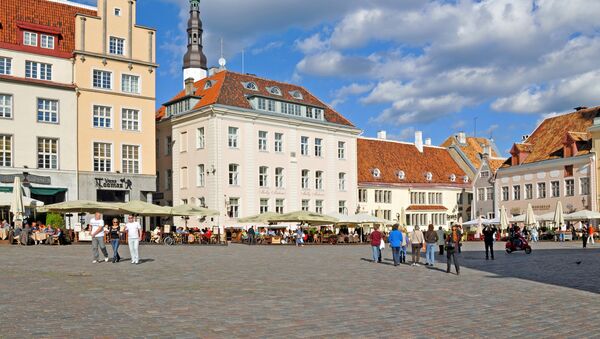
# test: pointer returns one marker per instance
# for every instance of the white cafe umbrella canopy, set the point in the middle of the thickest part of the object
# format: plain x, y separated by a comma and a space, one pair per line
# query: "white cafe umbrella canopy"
6, 199
518, 218
362, 218
529, 216
503, 218
477, 222
559, 218
16, 207
546, 216
582, 215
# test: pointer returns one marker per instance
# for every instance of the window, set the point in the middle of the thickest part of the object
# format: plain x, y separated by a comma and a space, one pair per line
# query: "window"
183, 142
262, 141
263, 177
270, 105
38, 70
47, 153
387, 214
541, 193
342, 181
200, 138
5, 66
304, 145
275, 90
202, 202
453, 177
319, 180
516, 192
279, 206
47, 111
200, 175
47, 41
251, 86
279, 177
5, 106
305, 204
490, 193
362, 195
383, 197
169, 145
481, 194
102, 117
569, 187
584, 184
417, 198
341, 150
278, 142
401, 175
233, 137
5, 150
130, 119
117, 12
305, 179
116, 46
319, 206
264, 206
102, 157
234, 208
528, 191
555, 189
131, 159
318, 147
130, 83
485, 174
376, 173
183, 177
342, 207
429, 176
296, 95
233, 174
436, 198
102, 79
169, 182
505, 193
30, 39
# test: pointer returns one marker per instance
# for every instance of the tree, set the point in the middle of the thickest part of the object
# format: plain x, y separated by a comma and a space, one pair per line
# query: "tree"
56, 220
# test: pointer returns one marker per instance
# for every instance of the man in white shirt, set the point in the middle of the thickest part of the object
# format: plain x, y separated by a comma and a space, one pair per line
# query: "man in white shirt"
134, 234
98, 238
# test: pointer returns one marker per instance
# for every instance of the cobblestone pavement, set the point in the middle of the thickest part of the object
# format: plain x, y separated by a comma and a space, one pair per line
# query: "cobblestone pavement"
325, 291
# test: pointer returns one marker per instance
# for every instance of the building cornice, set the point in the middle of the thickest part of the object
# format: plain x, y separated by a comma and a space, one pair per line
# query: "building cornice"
115, 58
413, 185
36, 82
82, 89
544, 163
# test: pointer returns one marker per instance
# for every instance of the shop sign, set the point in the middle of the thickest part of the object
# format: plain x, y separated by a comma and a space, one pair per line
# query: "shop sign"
106, 183
540, 207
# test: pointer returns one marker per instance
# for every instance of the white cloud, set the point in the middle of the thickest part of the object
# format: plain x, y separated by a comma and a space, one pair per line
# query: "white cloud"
335, 64
266, 48
341, 95
311, 44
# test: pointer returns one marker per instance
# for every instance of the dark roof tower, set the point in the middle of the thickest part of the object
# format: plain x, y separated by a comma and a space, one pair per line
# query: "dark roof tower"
194, 60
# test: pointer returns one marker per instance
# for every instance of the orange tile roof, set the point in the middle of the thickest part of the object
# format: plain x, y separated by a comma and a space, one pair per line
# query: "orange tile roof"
494, 164
392, 156
472, 149
55, 17
547, 140
229, 90
426, 208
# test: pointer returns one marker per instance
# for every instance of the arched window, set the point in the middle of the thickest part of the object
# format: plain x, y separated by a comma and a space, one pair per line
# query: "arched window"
296, 95
465, 179
453, 177
401, 175
429, 176
376, 173
275, 91
251, 86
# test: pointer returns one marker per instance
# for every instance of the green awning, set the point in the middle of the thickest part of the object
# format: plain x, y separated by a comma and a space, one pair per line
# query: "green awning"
46, 191
5, 189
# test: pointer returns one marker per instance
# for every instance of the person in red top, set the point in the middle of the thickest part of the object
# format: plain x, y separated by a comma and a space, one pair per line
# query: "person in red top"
591, 231
376, 239
208, 235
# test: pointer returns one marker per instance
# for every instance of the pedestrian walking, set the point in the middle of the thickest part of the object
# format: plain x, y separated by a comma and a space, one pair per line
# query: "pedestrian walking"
431, 239
299, 237
98, 238
488, 238
404, 245
416, 239
591, 231
376, 239
460, 233
535, 234
134, 234
584, 235
251, 236
441, 237
452, 245
114, 234
395, 240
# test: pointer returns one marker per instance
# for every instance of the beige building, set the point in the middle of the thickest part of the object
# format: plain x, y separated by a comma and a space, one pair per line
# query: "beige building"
114, 69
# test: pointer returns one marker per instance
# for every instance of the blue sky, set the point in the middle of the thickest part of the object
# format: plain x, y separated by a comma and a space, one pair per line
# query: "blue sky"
407, 65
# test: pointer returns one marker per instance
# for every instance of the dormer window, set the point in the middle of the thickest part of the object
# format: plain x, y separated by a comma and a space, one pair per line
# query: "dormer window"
429, 176
117, 12
275, 91
30, 39
466, 179
376, 173
209, 84
47, 41
401, 175
453, 177
296, 95
251, 86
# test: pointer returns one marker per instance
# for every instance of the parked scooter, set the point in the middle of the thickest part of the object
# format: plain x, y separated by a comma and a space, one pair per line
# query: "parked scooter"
518, 243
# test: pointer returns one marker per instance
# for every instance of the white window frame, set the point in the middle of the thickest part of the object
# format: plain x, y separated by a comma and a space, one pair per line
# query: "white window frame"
6, 150
38, 70
6, 106
49, 113
200, 177
117, 11
5, 66
305, 179
319, 180
234, 175
539, 191
30, 39
569, 189
342, 181
304, 140
583, 191
116, 45
318, 147
232, 137
505, 193
105, 163
279, 206
47, 154
278, 143
200, 138
99, 112
263, 205
305, 205
262, 140
130, 120
516, 192
101, 78
552, 186
263, 177
127, 83
342, 209
319, 206
130, 164
279, 177
341, 150
47, 41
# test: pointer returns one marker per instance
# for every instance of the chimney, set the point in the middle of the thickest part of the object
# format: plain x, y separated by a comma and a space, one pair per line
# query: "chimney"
189, 86
486, 151
462, 138
419, 141
428, 142
580, 108
382, 135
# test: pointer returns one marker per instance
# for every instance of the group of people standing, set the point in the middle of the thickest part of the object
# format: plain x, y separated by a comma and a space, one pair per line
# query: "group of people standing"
399, 240
133, 229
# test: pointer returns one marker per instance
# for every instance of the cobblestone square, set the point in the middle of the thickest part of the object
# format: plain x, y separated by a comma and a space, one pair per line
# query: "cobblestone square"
315, 291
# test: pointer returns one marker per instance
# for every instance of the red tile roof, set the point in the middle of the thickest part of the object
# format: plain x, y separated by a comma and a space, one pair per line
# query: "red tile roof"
546, 142
426, 208
390, 157
48, 16
472, 149
228, 89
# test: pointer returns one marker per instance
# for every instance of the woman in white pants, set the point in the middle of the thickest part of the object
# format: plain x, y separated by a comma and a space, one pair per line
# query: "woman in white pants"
134, 234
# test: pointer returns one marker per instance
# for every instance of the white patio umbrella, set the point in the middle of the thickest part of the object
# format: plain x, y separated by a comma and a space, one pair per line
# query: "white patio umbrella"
582, 215
362, 218
402, 220
529, 216
6, 199
476, 222
16, 207
546, 217
503, 218
559, 218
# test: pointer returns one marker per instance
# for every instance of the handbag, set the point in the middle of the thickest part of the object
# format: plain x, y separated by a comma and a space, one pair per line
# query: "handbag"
382, 245
449, 246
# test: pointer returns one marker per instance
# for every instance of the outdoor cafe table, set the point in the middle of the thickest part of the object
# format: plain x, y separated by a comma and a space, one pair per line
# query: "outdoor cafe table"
3, 233
39, 236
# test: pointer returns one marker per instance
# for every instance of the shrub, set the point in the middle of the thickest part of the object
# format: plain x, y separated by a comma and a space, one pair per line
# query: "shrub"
56, 220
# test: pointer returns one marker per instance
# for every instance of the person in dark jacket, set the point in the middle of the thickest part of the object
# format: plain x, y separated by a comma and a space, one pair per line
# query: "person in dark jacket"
431, 239
251, 236
395, 240
488, 238
376, 239
114, 234
452, 243
584, 234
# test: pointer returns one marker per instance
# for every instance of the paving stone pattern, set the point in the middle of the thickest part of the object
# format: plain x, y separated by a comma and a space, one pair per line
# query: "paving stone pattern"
315, 291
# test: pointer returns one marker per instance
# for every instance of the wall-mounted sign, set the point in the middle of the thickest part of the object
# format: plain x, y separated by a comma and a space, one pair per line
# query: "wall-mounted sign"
32, 179
106, 183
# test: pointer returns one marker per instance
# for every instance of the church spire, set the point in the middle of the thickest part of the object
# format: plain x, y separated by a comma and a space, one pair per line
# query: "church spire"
194, 61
